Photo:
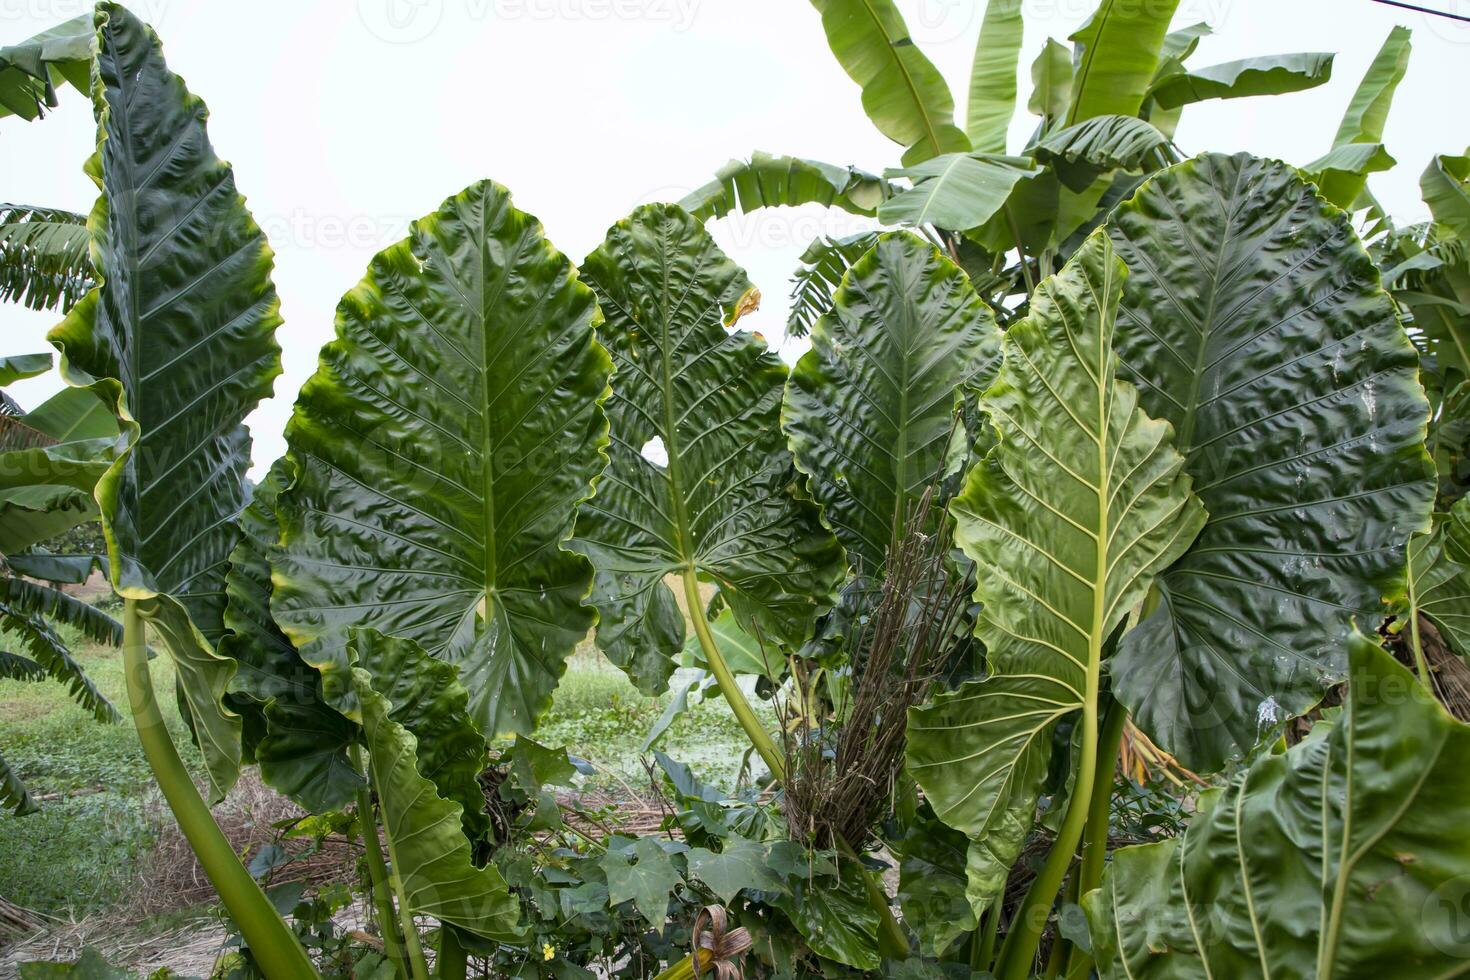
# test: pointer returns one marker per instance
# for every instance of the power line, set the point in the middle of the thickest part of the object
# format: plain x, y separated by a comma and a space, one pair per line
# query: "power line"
1425, 10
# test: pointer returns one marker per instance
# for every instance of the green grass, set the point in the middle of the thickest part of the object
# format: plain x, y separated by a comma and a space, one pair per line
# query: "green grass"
599, 715
80, 853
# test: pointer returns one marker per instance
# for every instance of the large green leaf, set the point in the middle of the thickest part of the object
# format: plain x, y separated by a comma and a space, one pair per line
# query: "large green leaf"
433, 706
72, 414
441, 449
50, 461
1437, 583
304, 749
1080, 503
870, 409
955, 191
31, 70
15, 367
1445, 185
429, 851
1051, 82
178, 340
767, 181
1256, 325
903, 93
1343, 857
1119, 53
43, 257
932, 889
741, 864
1085, 151
992, 99
1366, 115
1275, 74
719, 497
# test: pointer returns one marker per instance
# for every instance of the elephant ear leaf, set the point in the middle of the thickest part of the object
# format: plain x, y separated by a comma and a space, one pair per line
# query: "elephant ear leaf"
441, 449
429, 851
700, 481
1257, 326
304, 748
870, 408
1342, 857
1080, 503
1438, 581
178, 339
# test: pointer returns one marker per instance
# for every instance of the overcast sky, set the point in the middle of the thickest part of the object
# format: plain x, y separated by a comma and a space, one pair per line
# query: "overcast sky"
346, 119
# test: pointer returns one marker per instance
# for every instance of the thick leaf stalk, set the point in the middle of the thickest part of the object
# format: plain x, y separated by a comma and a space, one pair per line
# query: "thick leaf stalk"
271, 941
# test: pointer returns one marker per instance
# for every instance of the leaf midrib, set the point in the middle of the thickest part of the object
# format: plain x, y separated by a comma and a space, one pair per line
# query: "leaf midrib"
908, 80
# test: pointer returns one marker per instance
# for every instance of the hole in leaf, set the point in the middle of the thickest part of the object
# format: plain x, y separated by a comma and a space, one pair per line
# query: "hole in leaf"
654, 451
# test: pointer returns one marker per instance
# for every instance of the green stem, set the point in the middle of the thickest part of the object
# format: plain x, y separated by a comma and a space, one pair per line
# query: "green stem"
982, 953
418, 967
393, 947
1421, 664
453, 959
684, 969
1095, 835
272, 943
744, 713
1019, 950
1095, 846
891, 940
892, 943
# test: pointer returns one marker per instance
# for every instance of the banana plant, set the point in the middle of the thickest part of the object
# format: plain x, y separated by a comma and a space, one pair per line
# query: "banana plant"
1108, 107
50, 459
32, 71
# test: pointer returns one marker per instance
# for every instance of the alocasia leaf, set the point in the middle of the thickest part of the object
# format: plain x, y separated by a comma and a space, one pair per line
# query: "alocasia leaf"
1254, 322
1342, 857
932, 883
1438, 580
178, 339
441, 449
1080, 503
431, 704
719, 495
429, 851
304, 749
870, 409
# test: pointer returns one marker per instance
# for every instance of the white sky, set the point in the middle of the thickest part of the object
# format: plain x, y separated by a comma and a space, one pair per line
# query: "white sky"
346, 119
